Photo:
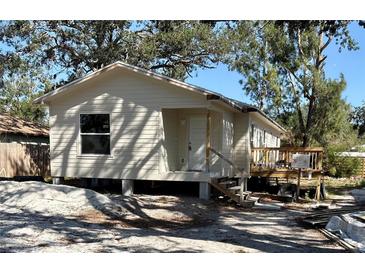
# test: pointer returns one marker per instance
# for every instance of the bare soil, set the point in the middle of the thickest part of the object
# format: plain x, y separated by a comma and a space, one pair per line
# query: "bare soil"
143, 223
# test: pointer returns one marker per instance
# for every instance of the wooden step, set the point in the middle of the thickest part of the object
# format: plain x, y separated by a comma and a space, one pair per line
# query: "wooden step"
245, 193
248, 203
220, 179
234, 188
225, 191
227, 183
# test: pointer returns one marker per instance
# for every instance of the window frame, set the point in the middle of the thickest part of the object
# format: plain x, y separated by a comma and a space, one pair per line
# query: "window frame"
79, 142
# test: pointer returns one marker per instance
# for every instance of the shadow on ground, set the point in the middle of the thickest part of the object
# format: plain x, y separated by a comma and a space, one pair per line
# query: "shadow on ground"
158, 224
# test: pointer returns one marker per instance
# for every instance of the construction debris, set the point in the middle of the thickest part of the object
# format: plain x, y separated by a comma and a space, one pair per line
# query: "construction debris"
350, 228
320, 218
359, 195
338, 240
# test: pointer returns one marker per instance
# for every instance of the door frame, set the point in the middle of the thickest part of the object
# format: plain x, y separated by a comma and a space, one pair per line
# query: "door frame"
189, 162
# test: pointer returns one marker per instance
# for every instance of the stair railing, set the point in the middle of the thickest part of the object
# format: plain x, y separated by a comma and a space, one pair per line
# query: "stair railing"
243, 175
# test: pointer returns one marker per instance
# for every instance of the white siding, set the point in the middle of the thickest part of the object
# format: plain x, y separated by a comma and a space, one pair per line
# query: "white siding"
134, 103
242, 141
170, 140
144, 143
216, 142
262, 132
227, 142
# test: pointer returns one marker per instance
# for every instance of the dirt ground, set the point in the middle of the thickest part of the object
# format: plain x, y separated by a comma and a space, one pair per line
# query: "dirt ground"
148, 223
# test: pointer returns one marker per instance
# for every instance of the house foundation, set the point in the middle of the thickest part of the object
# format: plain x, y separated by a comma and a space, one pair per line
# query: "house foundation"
204, 190
94, 182
57, 180
127, 187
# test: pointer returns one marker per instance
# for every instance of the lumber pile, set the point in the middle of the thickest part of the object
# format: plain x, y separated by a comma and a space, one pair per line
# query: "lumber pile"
320, 218
338, 240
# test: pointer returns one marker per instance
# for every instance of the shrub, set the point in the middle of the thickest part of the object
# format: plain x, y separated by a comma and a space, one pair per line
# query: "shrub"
347, 166
339, 166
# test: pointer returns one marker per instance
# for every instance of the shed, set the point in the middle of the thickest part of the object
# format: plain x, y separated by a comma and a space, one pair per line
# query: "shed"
24, 148
16, 130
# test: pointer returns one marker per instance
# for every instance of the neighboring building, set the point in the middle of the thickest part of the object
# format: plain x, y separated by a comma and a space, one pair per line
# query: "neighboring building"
17, 130
24, 148
124, 122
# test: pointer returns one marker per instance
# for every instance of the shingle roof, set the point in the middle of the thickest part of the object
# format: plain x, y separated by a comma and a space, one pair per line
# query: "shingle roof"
10, 124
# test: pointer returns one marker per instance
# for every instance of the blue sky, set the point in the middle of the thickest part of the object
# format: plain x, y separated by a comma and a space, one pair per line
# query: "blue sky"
350, 63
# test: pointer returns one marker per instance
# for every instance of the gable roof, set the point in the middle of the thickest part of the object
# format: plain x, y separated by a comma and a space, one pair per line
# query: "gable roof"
15, 125
211, 95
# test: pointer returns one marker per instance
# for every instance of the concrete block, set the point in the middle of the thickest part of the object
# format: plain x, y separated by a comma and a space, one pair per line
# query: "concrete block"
127, 187
204, 190
57, 180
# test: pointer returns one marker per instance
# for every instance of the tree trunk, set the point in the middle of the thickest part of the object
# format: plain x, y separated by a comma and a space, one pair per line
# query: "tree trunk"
306, 135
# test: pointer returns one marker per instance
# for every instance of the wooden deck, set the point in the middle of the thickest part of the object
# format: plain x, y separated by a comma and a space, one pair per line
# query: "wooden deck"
276, 162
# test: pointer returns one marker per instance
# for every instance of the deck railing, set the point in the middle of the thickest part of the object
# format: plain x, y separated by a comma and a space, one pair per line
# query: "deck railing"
282, 158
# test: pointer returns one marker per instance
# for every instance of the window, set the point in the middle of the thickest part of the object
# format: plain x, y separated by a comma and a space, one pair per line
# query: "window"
95, 134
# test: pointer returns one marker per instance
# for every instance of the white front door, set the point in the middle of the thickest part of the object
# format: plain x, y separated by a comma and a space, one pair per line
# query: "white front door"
196, 145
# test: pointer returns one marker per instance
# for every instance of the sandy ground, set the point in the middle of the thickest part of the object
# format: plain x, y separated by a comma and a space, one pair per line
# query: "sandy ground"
36, 217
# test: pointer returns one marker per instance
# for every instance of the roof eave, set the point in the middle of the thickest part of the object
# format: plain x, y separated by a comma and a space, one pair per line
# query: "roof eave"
211, 95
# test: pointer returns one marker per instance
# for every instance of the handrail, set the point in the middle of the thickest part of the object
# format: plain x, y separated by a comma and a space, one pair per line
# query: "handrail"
291, 149
243, 175
281, 157
220, 155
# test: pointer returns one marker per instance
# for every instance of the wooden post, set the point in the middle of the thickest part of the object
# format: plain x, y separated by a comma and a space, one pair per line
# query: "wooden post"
322, 188
298, 185
318, 189
208, 142
241, 188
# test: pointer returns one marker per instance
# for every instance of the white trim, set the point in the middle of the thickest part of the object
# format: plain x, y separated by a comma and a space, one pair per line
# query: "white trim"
120, 64
355, 154
78, 142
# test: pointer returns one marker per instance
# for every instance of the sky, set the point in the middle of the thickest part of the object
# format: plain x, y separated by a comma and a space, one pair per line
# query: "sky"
350, 63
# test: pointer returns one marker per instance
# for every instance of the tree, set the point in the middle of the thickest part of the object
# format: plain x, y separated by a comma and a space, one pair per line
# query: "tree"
250, 55
74, 48
37, 56
285, 60
20, 86
358, 119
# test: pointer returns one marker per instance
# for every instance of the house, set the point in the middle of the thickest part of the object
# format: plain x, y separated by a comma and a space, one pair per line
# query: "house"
24, 148
16, 130
125, 122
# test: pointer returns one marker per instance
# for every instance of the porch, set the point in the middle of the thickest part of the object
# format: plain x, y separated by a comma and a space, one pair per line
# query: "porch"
189, 134
198, 145
277, 162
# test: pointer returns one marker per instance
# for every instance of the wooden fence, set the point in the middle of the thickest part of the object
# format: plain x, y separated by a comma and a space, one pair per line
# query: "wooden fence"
24, 160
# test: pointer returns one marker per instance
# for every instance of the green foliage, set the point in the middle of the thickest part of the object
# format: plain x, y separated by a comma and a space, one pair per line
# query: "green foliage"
358, 118
21, 83
339, 166
283, 64
37, 56
17, 95
76, 47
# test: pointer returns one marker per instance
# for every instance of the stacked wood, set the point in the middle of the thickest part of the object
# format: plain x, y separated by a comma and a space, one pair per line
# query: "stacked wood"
320, 218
